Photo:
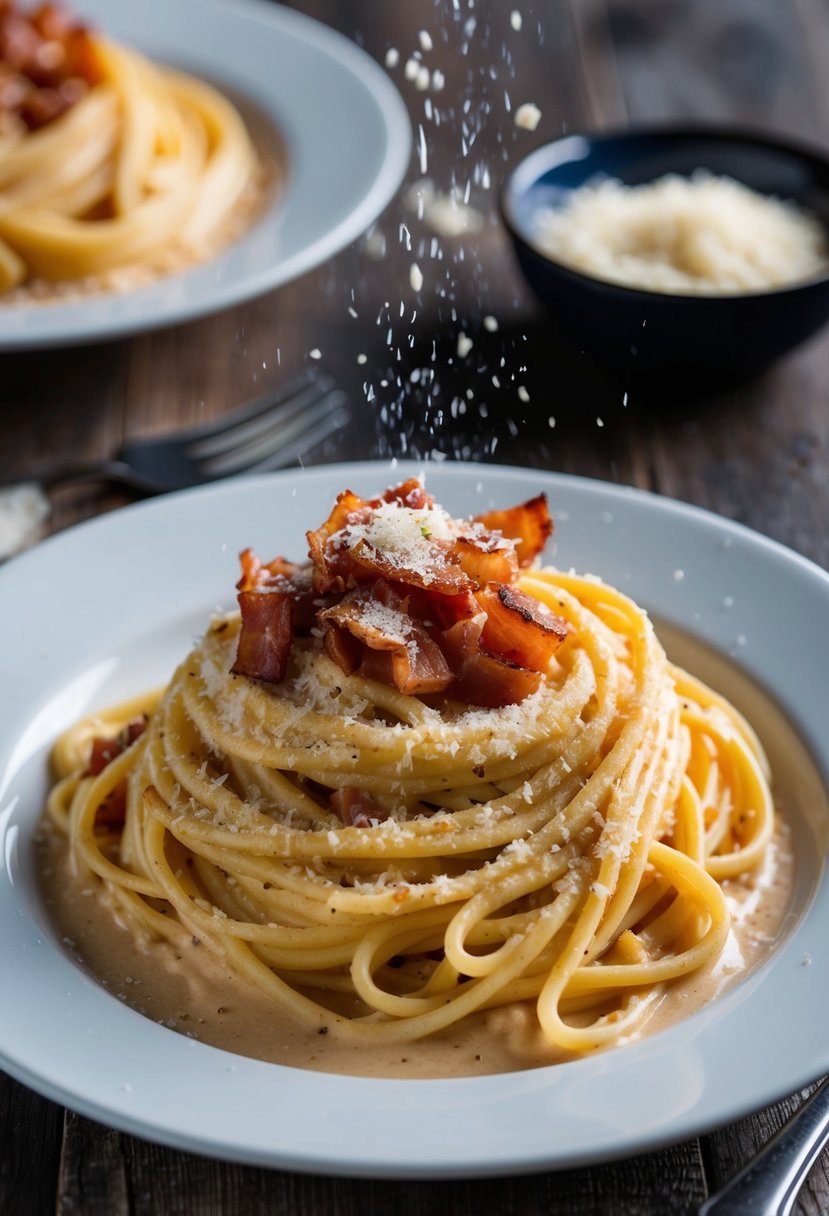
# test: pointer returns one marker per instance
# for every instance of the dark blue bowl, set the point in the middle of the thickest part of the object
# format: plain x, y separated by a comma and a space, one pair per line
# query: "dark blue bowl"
647, 334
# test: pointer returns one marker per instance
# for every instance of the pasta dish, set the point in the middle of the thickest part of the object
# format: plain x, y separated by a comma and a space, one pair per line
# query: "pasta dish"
109, 163
420, 778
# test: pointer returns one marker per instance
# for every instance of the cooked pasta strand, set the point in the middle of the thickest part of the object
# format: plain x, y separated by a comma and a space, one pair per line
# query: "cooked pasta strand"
566, 851
149, 159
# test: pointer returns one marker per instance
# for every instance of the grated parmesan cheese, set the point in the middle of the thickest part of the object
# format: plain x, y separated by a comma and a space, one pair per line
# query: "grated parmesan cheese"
404, 535
698, 235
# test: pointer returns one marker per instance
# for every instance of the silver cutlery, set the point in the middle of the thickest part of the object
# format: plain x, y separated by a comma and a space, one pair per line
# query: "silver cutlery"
270, 432
769, 1184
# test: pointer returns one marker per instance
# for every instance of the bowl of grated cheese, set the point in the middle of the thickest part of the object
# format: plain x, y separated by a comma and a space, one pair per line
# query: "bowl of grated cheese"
699, 251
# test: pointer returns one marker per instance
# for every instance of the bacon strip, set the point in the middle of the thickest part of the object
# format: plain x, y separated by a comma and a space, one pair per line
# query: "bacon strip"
104, 750
355, 808
435, 568
418, 671
112, 812
266, 636
410, 494
518, 628
435, 565
343, 557
529, 524
256, 573
392, 646
486, 558
277, 601
426, 610
48, 61
482, 678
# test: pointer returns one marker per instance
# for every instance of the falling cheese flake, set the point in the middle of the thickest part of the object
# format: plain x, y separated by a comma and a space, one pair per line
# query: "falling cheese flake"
465, 345
316, 353
411, 69
422, 151
491, 324
425, 40
527, 116
362, 358
516, 20
392, 57
446, 214
416, 277
523, 395
375, 244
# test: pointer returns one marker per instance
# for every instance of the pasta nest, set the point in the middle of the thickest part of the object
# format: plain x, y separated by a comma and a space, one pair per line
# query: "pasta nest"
568, 851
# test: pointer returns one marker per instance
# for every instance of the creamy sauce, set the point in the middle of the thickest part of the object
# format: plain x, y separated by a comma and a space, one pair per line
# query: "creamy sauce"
195, 993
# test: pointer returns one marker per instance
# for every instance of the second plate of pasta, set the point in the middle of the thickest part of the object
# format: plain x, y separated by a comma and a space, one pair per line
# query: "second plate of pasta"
205, 153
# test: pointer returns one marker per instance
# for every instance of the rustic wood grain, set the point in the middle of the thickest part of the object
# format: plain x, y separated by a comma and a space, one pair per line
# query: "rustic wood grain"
759, 454
30, 1135
104, 1173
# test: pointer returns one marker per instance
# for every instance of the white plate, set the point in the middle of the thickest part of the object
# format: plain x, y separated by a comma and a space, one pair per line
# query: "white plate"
344, 127
107, 609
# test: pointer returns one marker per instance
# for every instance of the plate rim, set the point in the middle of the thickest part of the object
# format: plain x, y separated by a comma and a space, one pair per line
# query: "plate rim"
537, 1086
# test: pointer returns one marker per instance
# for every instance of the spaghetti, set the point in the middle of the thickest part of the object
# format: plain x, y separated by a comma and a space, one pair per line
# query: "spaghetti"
136, 166
565, 850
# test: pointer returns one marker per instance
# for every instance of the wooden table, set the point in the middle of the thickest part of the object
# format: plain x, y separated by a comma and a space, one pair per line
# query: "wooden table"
759, 454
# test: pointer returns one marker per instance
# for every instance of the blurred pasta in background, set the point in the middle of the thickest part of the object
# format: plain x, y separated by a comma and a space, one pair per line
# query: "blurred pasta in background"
109, 161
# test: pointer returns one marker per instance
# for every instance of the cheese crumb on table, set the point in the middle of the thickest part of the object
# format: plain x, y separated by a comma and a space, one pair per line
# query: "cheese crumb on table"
24, 509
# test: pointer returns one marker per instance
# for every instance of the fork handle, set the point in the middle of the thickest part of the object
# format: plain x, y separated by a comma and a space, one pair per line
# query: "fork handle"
93, 470
769, 1184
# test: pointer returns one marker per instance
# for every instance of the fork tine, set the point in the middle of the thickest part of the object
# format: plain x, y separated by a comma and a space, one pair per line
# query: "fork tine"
257, 418
283, 395
281, 433
310, 439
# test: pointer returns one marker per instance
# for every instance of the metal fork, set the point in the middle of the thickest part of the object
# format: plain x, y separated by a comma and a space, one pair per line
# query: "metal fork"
769, 1184
268, 433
